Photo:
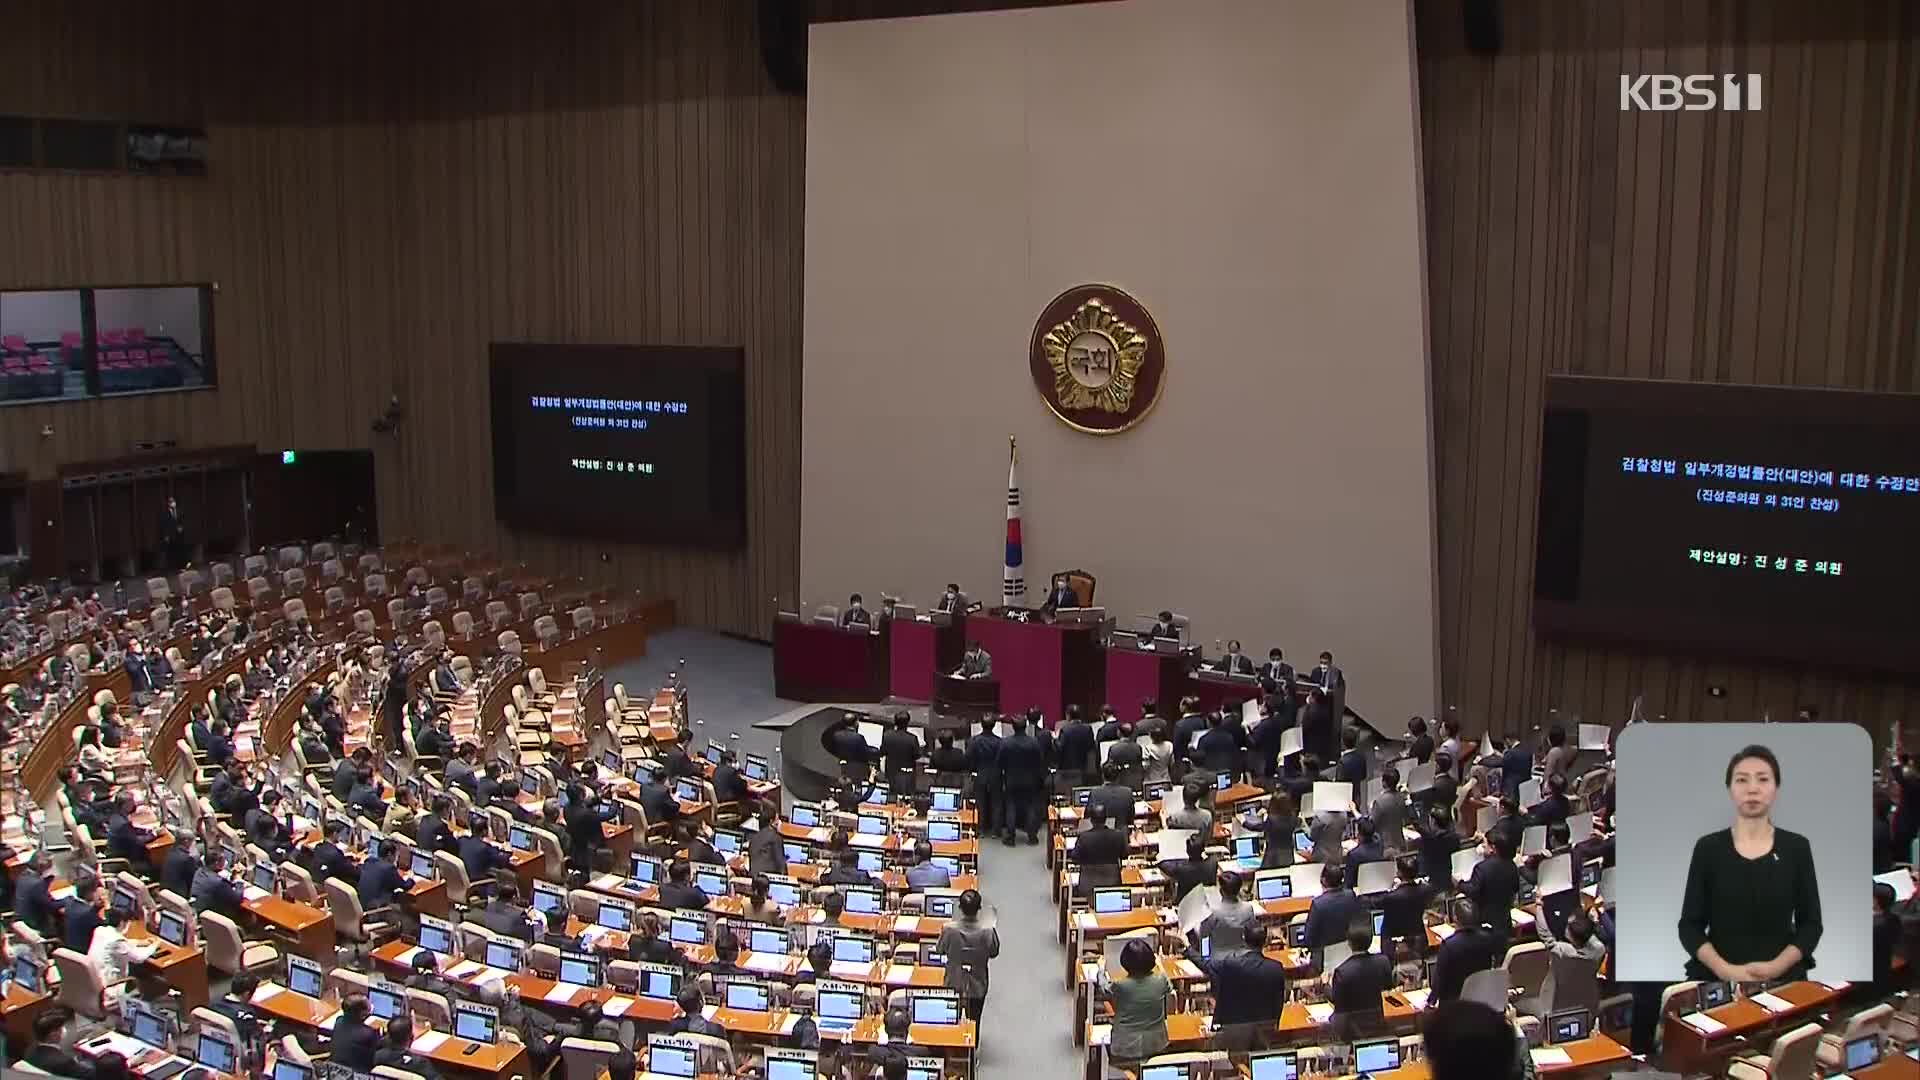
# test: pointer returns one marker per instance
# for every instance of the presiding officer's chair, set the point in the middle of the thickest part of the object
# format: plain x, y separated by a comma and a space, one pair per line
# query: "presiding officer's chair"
1081, 583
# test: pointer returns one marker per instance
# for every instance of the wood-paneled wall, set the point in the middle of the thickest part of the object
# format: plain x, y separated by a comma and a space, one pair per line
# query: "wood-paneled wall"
394, 186
1780, 246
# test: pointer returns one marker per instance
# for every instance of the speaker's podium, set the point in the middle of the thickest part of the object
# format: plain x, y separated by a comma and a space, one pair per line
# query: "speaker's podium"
961, 698
818, 661
1043, 665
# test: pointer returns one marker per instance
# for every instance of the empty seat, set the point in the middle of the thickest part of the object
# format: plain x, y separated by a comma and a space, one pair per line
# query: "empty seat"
257, 590
331, 570
376, 584
222, 573
291, 556
583, 619
363, 621
463, 625
295, 580
336, 599
547, 629
255, 566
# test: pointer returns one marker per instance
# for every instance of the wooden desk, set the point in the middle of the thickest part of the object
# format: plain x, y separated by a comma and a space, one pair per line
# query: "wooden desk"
184, 969
526, 868
949, 1038
461, 1056
311, 927
295, 1008
826, 663
1687, 1050
430, 898
1595, 1052
1896, 1066
19, 1010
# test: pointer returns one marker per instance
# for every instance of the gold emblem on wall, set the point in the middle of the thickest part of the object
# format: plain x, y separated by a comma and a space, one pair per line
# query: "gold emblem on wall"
1097, 359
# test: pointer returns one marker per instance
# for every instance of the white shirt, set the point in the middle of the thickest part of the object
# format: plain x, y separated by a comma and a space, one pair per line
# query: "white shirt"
112, 954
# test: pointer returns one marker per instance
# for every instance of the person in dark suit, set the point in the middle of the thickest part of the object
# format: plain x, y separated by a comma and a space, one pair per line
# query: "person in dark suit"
1113, 799
1163, 626
49, 1056
1126, 753
1188, 728
347, 772
445, 679
1419, 743
237, 1006
1234, 662
220, 743
647, 945
355, 1042
125, 839
678, 890
139, 675
1326, 676
846, 870
856, 614
1333, 911
396, 1050
1553, 808
950, 601
900, 755
1319, 728
1367, 849
433, 833
366, 797
657, 800
729, 783
504, 915
983, 761
586, 813
1060, 596
1098, 852
1403, 909
329, 861
212, 891
1249, 990
1474, 946
381, 882
197, 727
1221, 746
1353, 760
263, 827
1516, 766
766, 848
82, 914
481, 857
229, 793
946, 758
173, 536
1077, 744
1438, 841
1023, 764
33, 902
1358, 982
436, 740
1194, 871
1276, 675
1495, 882
1445, 787
178, 868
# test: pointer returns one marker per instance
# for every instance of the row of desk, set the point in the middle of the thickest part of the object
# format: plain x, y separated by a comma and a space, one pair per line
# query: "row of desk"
1040, 665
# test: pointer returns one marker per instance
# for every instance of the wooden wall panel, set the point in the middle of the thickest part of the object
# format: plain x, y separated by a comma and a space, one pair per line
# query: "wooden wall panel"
395, 186
1781, 246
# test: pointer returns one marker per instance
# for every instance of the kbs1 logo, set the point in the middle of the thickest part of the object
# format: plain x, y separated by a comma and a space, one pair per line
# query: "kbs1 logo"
1689, 93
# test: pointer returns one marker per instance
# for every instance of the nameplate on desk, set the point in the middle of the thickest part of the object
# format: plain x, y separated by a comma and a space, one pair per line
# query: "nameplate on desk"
1702, 1023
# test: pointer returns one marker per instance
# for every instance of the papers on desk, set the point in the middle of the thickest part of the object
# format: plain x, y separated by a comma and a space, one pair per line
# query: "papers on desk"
1189, 969
1320, 1011
428, 1043
1901, 882
1838, 986
849, 969
62, 893
405, 957
1772, 1003
113, 1041
463, 969
1172, 843
1417, 999
264, 991
1443, 931
612, 883
1550, 1055
616, 1006
1702, 1023
766, 963
254, 893
899, 974
593, 934
866, 840
560, 993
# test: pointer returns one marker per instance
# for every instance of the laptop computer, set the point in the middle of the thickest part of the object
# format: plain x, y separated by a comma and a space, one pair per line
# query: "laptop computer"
1284, 1065
669, 1055
436, 935
747, 996
475, 1022
1376, 1055
1112, 901
1715, 994
936, 1007
1862, 1052
784, 1064
387, 1001
1272, 885
660, 982
1569, 1025
173, 927
305, 977
213, 1050
838, 1006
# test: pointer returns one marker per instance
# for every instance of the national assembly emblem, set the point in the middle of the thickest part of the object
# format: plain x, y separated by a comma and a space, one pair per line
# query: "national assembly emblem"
1097, 359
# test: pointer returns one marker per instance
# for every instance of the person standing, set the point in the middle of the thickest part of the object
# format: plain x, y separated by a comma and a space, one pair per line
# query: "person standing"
969, 943
173, 536
1023, 766
983, 761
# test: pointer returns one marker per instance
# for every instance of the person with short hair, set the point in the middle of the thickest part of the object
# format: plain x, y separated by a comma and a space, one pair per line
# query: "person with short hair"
926, 874
856, 614
113, 956
1249, 990
1225, 923
396, 1050
1495, 881
1193, 872
1465, 1040
969, 943
1139, 1001
1193, 812
354, 1041
678, 890
1355, 986
691, 1019
49, 1056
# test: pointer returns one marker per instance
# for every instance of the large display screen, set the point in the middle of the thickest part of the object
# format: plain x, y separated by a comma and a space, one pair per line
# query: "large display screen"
1751, 520
636, 443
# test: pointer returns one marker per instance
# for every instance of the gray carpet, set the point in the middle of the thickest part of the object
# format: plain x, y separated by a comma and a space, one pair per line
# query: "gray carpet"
1026, 1031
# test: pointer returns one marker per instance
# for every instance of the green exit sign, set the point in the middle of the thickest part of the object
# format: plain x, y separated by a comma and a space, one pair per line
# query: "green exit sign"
288, 457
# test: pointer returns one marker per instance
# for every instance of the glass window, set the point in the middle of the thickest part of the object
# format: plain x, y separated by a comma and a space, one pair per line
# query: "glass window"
151, 339
42, 355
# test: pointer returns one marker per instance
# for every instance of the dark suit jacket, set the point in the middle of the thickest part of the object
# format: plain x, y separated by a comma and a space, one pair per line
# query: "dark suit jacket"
1113, 802
1248, 987
1359, 981
1494, 884
1062, 597
211, 892
1100, 847
1471, 949
1353, 766
126, 840
219, 749
852, 616
1023, 764
176, 871
1420, 748
379, 880
434, 834
1362, 853
676, 895
1240, 664
1320, 677
899, 750
481, 859
344, 775
983, 759
330, 861
766, 852
1403, 909
354, 1044
729, 784
1436, 851
655, 799
1184, 731
1516, 768
82, 919
60, 1062
1076, 744
1549, 811
1126, 753
948, 759
1220, 748
1187, 875
406, 1061
1330, 916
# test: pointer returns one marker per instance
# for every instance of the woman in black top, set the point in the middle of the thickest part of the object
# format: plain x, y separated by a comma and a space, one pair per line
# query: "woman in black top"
1751, 912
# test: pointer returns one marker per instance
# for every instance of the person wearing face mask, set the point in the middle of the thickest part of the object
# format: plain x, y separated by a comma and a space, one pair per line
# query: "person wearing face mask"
856, 614
1061, 595
950, 601
1751, 908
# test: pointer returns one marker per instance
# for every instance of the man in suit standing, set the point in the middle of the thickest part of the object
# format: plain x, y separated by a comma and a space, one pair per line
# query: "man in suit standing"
1419, 743
1326, 676
1191, 723
950, 601
1474, 946
1076, 741
82, 914
173, 535
899, 754
1234, 662
1319, 727
977, 664
983, 761
1023, 766
856, 614
1389, 812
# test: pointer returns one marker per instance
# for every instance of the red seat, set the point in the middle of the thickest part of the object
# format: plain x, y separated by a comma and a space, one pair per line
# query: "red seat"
14, 343
136, 334
138, 357
113, 339
70, 338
